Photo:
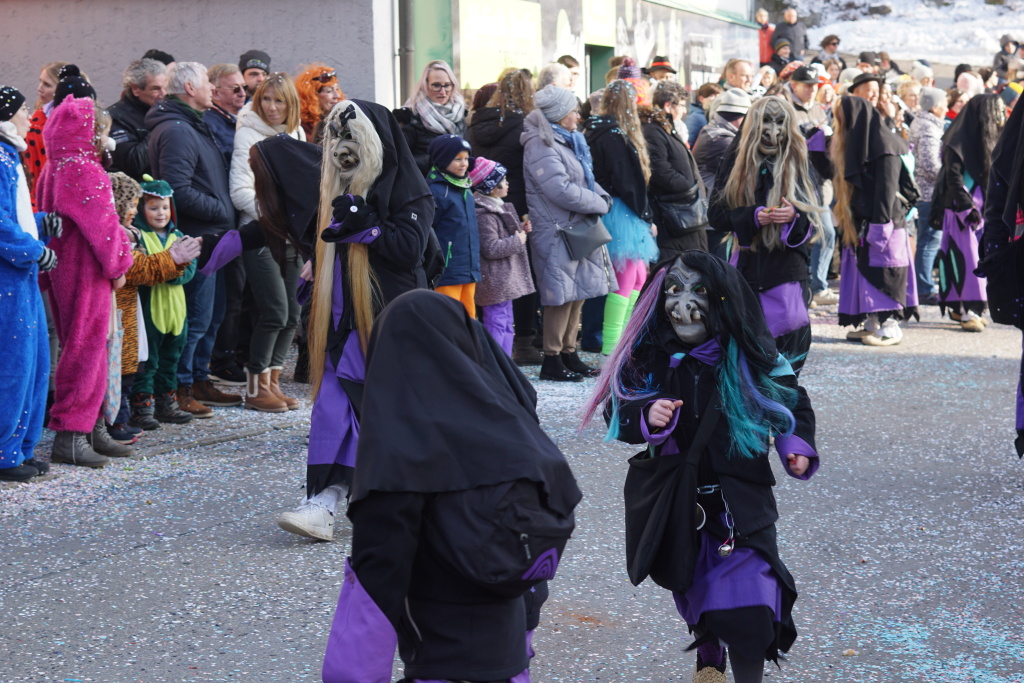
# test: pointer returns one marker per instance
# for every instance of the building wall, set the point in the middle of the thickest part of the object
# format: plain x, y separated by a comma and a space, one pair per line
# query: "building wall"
102, 36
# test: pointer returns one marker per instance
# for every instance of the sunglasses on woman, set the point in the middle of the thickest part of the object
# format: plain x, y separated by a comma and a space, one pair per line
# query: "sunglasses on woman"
326, 77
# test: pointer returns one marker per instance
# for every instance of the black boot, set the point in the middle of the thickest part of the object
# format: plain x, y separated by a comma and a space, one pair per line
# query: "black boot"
554, 370
573, 363
142, 412
19, 473
523, 351
167, 409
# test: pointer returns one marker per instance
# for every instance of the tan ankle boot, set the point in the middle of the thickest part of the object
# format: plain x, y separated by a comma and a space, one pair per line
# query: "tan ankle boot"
275, 386
258, 395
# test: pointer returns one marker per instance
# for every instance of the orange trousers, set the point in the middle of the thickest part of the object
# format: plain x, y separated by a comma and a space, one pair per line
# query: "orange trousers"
464, 293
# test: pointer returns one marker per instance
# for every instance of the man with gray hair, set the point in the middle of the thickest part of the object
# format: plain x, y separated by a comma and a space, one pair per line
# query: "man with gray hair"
183, 152
554, 74
143, 84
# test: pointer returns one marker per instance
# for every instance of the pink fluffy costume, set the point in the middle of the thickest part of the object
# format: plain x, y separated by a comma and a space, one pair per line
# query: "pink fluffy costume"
92, 251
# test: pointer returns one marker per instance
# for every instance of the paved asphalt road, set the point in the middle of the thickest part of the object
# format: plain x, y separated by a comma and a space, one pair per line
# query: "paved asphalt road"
906, 547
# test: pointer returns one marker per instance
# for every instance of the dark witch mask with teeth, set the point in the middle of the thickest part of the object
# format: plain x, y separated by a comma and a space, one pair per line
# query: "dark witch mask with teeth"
686, 303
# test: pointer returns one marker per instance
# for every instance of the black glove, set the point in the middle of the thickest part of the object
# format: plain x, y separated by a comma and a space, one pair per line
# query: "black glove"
973, 218
52, 225
351, 215
47, 260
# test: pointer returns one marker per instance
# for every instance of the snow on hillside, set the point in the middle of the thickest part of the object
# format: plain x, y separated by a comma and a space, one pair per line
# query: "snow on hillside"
944, 31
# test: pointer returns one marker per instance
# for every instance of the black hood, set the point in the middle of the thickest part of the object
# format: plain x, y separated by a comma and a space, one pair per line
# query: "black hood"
295, 168
489, 127
599, 126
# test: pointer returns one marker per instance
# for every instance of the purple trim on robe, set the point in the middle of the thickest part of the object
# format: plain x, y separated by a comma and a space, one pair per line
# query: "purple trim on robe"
707, 353
857, 296
364, 237
784, 308
816, 143
228, 249
888, 247
1020, 398
304, 291
333, 425
362, 642
744, 579
968, 241
797, 446
660, 437
787, 230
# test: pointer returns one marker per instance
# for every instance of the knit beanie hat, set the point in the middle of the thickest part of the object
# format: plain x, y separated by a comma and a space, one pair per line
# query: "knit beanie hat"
781, 43
160, 56
156, 188
630, 72
70, 82
127, 193
11, 100
733, 101
921, 70
486, 175
628, 69
1010, 93
254, 59
931, 98
444, 148
554, 102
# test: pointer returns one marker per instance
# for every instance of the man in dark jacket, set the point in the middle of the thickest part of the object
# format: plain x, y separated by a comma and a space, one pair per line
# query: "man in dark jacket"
793, 31
1001, 62
144, 83
183, 152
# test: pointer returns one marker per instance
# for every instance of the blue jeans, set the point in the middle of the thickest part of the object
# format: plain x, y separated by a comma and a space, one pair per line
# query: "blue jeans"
821, 254
200, 300
928, 240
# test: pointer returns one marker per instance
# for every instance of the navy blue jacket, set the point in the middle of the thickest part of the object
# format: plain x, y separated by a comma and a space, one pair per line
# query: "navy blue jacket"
183, 151
222, 125
456, 229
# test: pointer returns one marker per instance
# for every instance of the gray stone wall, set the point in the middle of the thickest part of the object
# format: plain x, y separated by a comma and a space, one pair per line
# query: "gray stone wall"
103, 36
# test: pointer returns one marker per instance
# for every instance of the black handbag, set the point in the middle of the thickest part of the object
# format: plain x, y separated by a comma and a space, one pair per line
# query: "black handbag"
690, 212
584, 236
661, 517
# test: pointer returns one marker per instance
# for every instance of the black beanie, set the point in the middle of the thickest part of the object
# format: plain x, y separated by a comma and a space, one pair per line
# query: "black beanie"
71, 83
159, 56
444, 148
10, 102
254, 59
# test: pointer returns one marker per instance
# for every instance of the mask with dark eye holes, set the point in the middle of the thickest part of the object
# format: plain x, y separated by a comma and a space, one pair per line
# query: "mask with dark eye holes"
773, 128
344, 149
686, 303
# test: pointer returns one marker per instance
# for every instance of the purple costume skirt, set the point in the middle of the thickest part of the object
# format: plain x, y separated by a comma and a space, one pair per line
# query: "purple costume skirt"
334, 426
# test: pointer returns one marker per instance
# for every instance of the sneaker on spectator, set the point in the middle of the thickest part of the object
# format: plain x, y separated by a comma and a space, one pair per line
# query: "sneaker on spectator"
825, 297
208, 394
230, 376
188, 404
121, 434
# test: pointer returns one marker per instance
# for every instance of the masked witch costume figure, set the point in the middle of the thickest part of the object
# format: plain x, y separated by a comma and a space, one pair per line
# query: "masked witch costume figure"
769, 201
874, 193
698, 379
960, 194
1003, 265
449, 437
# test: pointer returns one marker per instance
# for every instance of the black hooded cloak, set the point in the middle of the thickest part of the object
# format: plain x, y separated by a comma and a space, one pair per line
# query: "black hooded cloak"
963, 155
444, 410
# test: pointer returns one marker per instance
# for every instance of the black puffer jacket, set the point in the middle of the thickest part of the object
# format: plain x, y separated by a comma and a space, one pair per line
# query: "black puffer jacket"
672, 178
128, 130
182, 151
617, 164
497, 139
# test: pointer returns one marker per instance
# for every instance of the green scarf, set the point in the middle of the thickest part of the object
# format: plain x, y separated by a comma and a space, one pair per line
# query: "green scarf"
166, 301
195, 112
464, 183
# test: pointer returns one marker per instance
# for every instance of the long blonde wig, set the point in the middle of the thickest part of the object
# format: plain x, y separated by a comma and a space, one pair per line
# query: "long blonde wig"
791, 172
619, 100
360, 280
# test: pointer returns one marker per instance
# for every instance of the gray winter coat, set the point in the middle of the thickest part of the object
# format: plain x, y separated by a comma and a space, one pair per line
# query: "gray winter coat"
712, 142
557, 194
504, 266
925, 140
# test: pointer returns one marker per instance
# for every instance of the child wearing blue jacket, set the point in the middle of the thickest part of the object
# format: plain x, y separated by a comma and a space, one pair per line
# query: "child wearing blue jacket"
455, 218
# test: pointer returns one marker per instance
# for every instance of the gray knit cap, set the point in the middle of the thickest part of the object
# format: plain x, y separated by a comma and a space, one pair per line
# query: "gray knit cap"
931, 98
554, 102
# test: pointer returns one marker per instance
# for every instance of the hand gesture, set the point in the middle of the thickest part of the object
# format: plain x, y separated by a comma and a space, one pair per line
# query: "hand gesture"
661, 411
307, 271
351, 216
798, 464
973, 218
119, 282
783, 214
184, 250
47, 260
527, 225
52, 226
764, 217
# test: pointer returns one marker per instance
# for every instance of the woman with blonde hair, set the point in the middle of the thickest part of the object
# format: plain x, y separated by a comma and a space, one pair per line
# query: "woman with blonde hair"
319, 91
436, 108
767, 196
873, 189
373, 231
274, 110
622, 167
34, 155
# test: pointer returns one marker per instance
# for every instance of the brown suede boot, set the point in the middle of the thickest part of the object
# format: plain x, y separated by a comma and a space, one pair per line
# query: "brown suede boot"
188, 404
258, 395
275, 386
208, 394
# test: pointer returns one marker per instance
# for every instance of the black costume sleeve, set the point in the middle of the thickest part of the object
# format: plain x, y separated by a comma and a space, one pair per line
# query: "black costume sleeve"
631, 416
130, 156
617, 170
385, 537
887, 181
957, 197
403, 236
997, 233
802, 412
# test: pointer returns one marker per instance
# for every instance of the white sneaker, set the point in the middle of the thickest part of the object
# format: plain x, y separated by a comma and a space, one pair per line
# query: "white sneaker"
825, 297
309, 520
889, 334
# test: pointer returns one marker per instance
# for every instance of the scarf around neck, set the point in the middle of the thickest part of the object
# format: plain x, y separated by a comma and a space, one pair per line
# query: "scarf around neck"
578, 144
444, 119
464, 183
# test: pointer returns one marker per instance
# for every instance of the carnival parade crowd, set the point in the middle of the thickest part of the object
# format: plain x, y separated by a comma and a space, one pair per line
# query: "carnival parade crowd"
164, 252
